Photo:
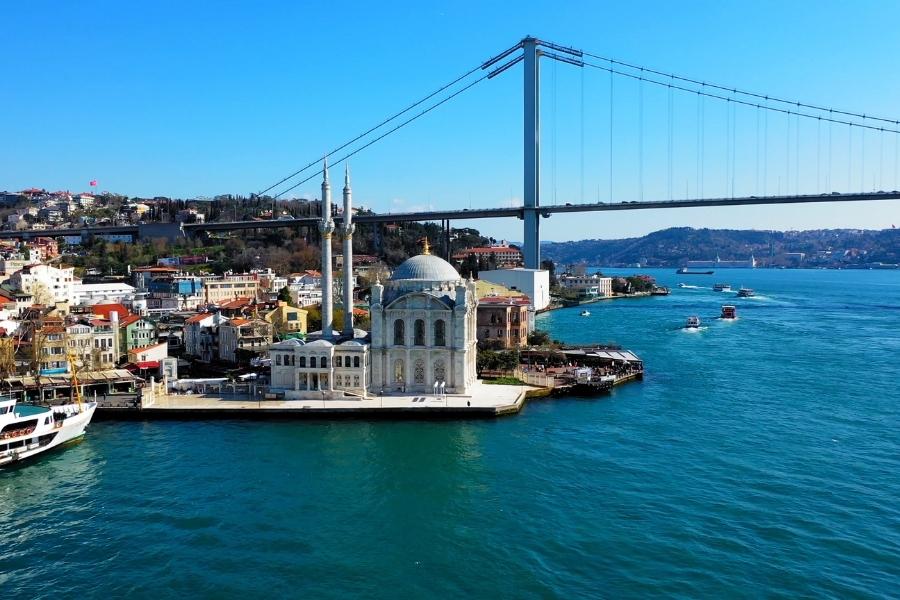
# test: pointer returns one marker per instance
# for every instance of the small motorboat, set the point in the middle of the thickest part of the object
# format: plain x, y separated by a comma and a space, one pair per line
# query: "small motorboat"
692, 323
722, 287
585, 313
745, 293
728, 312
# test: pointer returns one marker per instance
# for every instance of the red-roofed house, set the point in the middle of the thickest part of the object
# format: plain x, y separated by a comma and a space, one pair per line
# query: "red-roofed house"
506, 257
502, 321
105, 311
153, 352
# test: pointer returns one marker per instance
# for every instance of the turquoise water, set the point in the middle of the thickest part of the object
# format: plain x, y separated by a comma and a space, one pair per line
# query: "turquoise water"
759, 458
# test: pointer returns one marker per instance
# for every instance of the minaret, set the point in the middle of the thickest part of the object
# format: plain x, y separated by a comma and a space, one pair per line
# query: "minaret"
348, 256
326, 227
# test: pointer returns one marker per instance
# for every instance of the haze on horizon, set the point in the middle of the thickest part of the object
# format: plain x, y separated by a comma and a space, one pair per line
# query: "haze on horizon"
185, 101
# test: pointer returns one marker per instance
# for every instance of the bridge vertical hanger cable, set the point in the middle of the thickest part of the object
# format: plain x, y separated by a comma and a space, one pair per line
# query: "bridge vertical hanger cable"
828, 172
671, 130
881, 162
727, 148
611, 102
733, 146
787, 159
702, 145
697, 149
641, 139
581, 138
797, 157
818, 188
850, 156
766, 154
756, 187
896, 161
862, 170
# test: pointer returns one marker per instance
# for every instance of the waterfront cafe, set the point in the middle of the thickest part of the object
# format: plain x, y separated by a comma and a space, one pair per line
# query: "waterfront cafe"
602, 357
57, 389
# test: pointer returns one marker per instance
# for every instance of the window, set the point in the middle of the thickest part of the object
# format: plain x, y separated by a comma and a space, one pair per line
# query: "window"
440, 333
312, 362
292, 316
303, 361
419, 372
399, 333
419, 333
324, 362
338, 380
338, 361
277, 360
356, 381
355, 361
440, 372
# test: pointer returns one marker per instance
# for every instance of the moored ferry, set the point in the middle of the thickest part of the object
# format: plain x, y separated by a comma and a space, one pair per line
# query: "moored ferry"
27, 430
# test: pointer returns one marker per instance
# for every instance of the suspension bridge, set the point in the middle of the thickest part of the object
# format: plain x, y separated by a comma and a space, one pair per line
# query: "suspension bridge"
840, 147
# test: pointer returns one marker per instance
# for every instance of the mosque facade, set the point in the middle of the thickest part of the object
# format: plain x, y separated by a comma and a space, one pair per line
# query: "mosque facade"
423, 337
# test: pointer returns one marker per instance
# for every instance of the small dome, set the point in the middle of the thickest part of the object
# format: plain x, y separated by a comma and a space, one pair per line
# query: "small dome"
319, 343
427, 267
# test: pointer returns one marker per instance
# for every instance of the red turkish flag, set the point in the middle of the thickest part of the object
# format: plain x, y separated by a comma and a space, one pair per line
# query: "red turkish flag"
93, 182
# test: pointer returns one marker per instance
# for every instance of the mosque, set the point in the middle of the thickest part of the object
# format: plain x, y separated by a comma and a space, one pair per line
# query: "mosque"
423, 330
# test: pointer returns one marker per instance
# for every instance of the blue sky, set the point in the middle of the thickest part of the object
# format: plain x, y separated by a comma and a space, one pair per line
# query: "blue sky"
196, 99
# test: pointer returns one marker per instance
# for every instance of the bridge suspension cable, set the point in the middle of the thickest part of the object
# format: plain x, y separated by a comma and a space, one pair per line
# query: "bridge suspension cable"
716, 96
741, 92
467, 87
397, 115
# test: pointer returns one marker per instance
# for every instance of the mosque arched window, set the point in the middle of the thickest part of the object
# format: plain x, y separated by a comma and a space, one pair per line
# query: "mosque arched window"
338, 361
303, 361
440, 333
399, 333
399, 376
355, 362
312, 362
419, 333
324, 362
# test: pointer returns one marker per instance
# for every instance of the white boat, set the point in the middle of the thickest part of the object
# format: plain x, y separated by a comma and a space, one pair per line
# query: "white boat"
585, 313
745, 293
27, 430
692, 323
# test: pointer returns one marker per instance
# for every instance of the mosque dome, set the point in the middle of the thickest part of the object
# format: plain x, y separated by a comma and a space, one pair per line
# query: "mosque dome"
426, 267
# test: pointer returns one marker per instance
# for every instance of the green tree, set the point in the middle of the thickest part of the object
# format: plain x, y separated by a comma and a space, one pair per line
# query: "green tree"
284, 295
538, 337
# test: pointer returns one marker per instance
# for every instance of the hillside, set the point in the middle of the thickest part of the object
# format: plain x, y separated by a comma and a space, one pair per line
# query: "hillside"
675, 246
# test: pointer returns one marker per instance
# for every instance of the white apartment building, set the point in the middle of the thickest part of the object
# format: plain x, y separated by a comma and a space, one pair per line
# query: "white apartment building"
592, 286
40, 280
224, 288
534, 283
104, 293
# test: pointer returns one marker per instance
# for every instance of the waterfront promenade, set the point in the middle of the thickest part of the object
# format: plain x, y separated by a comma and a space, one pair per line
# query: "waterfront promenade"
485, 400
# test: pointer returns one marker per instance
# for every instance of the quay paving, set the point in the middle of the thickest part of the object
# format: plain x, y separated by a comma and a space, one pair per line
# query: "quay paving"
483, 400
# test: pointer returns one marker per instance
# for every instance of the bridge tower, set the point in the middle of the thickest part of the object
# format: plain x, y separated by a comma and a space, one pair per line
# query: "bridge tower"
532, 156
